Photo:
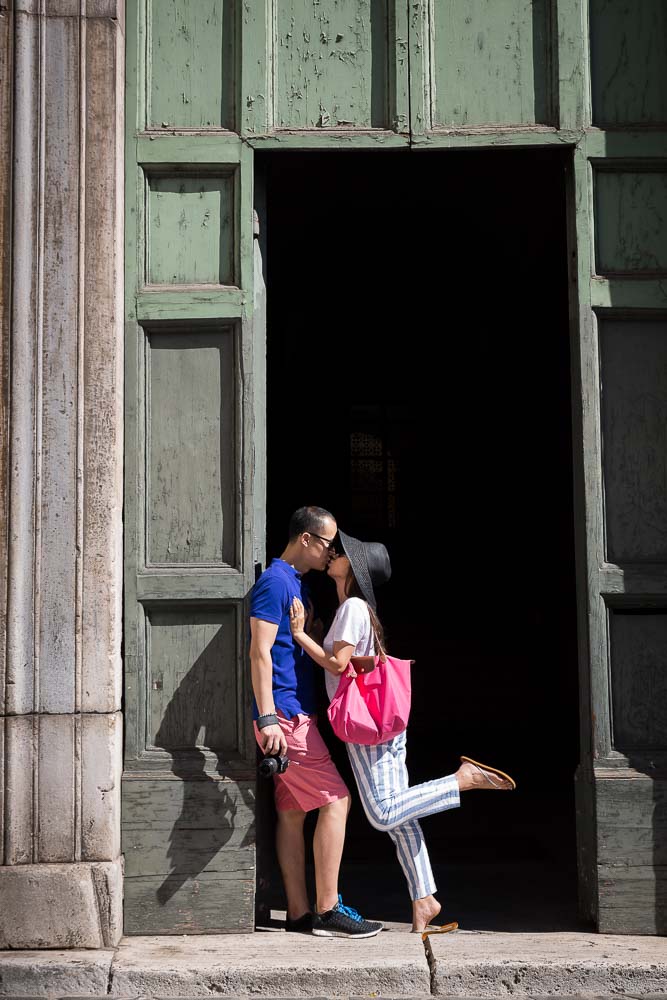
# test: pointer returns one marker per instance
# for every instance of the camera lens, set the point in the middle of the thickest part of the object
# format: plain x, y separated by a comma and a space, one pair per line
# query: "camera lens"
268, 766
273, 764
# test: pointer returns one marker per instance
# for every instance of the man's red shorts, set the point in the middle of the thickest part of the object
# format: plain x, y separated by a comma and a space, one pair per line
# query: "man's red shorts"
311, 779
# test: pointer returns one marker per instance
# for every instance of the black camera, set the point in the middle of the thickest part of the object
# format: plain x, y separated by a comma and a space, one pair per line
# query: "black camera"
272, 764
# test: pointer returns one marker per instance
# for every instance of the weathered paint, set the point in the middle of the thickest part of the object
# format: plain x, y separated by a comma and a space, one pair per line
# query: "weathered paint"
619, 418
627, 293
639, 686
631, 221
189, 849
190, 237
221, 902
628, 45
570, 60
190, 474
188, 840
337, 64
633, 378
331, 139
631, 859
502, 137
192, 684
647, 803
190, 63
331, 64
490, 62
190, 443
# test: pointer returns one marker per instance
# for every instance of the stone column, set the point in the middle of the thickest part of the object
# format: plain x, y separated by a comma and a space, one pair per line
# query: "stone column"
61, 474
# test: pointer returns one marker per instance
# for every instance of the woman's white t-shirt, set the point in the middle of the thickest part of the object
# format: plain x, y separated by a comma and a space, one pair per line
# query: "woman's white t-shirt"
351, 624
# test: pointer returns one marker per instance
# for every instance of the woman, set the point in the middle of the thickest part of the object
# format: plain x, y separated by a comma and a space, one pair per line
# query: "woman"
380, 771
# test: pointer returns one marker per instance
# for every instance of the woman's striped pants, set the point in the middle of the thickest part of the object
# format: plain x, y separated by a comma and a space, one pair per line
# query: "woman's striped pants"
392, 805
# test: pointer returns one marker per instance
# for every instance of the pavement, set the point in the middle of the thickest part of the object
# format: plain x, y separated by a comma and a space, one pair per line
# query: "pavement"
512, 941
395, 964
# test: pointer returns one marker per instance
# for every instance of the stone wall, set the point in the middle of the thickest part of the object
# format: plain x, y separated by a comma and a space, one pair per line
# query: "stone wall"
61, 120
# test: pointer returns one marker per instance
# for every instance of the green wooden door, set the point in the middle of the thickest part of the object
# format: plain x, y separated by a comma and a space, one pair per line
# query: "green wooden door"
619, 202
203, 79
194, 479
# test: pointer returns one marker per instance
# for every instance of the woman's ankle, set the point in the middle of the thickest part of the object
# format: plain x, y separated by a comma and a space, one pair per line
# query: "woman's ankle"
423, 911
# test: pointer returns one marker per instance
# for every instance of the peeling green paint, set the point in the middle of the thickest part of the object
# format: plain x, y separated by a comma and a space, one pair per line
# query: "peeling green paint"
191, 63
331, 64
491, 63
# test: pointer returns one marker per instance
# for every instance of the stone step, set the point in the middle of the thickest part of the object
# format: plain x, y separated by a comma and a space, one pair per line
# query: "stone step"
395, 964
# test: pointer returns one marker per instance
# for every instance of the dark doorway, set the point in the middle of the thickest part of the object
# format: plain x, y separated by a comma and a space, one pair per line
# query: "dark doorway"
418, 347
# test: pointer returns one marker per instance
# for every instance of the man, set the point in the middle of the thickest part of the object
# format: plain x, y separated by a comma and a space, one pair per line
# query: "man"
283, 681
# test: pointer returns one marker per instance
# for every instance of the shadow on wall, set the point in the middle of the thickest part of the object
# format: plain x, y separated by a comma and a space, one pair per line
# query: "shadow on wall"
215, 813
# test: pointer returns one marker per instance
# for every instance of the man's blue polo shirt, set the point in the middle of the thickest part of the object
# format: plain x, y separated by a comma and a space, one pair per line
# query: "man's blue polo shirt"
293, 673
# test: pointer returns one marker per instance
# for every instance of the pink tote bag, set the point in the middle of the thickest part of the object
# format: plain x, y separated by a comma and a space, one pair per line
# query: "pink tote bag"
374, 706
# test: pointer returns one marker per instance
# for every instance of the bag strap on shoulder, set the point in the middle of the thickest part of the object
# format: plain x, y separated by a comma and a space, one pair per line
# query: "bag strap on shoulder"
379, 648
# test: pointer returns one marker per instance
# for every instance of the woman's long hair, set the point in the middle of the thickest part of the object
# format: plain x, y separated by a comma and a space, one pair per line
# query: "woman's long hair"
352, 589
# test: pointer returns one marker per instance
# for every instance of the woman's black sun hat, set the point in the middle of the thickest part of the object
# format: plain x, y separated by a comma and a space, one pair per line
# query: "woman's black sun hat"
370, 564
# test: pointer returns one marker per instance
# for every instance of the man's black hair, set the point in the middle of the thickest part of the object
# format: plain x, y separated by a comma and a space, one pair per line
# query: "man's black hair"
308, 519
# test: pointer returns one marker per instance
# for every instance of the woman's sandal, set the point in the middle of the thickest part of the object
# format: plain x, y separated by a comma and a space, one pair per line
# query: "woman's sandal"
443, 929
484, 768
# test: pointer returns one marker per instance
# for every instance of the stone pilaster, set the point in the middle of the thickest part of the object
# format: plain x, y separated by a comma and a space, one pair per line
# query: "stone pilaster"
60, 683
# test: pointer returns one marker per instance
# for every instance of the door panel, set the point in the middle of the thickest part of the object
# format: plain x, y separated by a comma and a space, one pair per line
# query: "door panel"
331, 67
190, 235
628, 44
192, 462
191, 68
193, 469
620, 204
490, 62
633, 378
630, 220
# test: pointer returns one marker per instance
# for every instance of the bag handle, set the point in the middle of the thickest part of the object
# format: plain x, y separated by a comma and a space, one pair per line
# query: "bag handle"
379, 648
383, 653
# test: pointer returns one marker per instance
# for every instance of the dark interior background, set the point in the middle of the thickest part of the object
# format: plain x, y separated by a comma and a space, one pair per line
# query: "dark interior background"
418, 353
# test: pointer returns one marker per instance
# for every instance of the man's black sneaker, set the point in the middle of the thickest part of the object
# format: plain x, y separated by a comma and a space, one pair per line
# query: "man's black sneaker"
343, 921
302, 924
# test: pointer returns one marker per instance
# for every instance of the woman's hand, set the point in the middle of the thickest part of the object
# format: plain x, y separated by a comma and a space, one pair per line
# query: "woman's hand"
297, 618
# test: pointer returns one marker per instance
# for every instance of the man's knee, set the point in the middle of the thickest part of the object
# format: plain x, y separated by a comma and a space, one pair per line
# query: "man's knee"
338, 809
291, 819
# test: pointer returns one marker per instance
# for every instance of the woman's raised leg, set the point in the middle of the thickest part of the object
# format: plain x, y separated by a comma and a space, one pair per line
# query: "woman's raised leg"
381, 777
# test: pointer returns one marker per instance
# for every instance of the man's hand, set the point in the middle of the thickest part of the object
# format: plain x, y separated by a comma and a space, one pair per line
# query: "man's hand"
273, 740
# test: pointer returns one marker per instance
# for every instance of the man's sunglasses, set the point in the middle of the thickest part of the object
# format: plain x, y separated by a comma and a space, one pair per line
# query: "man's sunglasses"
328, 543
